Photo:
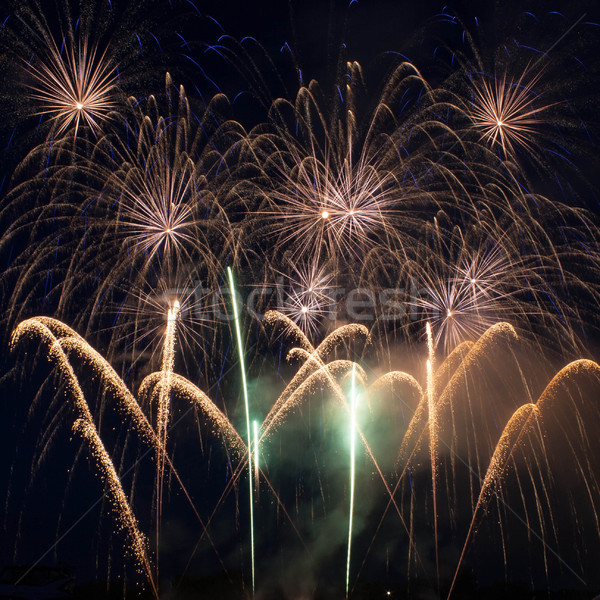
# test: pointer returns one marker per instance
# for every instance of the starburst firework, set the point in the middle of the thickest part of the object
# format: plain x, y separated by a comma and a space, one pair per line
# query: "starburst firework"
74, 85
508, 113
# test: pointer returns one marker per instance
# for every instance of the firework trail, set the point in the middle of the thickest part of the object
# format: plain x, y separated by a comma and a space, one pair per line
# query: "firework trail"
238, 333
89, 433
432, 418
353, 403
164, 400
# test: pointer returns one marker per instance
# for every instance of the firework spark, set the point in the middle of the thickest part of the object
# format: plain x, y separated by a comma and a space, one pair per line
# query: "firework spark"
507, 112
310, 296
74, 85
342, 209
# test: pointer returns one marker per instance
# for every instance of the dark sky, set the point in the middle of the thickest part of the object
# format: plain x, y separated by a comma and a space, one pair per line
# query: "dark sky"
317, 31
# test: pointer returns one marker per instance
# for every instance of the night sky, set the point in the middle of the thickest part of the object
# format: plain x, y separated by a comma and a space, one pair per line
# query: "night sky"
53, 509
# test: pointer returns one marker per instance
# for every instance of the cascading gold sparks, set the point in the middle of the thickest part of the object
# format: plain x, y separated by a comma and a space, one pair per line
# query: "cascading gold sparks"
124, 512
443, 386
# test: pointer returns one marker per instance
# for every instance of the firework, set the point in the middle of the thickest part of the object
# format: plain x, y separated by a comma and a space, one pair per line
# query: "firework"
238, 334
75, 86
97, 450
432, 419
505, 111
448, 378
353, 402
129, 221
310, 296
